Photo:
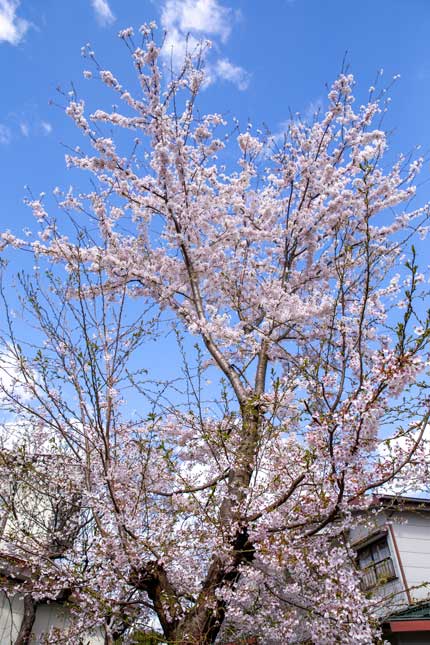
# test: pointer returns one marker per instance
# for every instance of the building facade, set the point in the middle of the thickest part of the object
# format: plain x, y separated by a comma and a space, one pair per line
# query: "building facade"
30, 516
393, 557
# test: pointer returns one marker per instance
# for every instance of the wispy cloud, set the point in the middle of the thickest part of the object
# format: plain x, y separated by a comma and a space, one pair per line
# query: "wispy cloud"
311, 112
188, 21
234, 73
12, 28
5, 135
46, 127
25, 125
103, 12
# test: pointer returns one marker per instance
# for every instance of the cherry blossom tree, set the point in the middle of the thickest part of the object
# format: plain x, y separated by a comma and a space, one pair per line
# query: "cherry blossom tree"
287, 278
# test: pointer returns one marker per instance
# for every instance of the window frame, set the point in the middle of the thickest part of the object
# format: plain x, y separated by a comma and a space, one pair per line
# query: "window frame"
379, 568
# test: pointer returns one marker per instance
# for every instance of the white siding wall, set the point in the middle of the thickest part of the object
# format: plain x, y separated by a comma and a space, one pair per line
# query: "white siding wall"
391, 595
11, 611
47, 616
412, 535
362, 531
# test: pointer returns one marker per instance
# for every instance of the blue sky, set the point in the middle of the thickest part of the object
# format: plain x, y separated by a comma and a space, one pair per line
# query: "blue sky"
268, 57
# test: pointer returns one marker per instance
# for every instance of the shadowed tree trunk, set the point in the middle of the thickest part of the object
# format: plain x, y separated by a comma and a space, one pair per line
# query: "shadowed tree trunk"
30, 608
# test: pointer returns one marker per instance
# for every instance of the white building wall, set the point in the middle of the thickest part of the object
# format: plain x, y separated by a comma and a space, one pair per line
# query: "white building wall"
391, 596
47, 616
11, 612
366, 528
412, 534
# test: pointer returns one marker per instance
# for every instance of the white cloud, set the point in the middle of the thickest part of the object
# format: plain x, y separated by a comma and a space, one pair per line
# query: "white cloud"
187, 22
12, 380
25, 130
176, 45
230, 72
413, 479
5, 135
103, 12
46, 127
203, 16
12, 28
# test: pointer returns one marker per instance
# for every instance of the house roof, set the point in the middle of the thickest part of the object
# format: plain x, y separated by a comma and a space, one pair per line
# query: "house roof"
400, 502
419, 611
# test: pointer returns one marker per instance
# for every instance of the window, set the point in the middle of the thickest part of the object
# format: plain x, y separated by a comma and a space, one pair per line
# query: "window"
376, 563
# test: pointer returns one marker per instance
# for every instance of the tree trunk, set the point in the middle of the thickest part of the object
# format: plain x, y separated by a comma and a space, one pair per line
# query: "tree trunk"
24, 634
202, 624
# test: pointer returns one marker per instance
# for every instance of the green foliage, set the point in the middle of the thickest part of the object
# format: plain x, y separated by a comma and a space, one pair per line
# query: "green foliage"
146, 638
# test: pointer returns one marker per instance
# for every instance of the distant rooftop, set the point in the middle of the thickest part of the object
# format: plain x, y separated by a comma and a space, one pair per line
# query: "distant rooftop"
422, 503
